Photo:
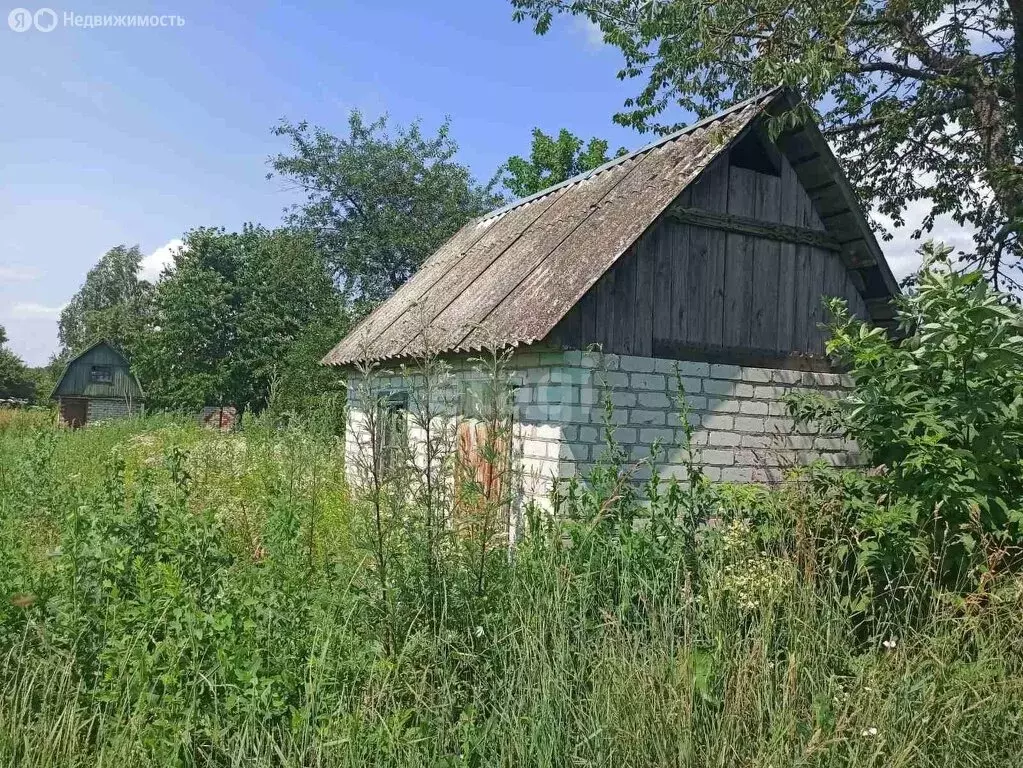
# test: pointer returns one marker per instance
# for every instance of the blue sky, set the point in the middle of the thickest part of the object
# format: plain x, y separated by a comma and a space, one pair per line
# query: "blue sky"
129, 135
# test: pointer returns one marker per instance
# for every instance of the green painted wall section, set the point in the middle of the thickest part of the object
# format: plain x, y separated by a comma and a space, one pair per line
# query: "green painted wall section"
76, 381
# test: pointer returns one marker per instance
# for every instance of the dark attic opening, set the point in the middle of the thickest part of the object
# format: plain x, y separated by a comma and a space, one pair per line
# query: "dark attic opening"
754, 153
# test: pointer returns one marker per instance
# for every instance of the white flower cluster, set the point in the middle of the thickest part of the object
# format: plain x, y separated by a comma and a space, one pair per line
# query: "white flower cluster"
736, 537
752, 577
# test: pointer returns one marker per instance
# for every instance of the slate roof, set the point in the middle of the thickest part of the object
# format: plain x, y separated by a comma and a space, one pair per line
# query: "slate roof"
508, 277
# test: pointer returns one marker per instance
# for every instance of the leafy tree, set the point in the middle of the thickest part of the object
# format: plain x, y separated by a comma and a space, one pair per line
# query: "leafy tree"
291, 315
113, 303
301, 385
189, 359
44, 379
228, 314
15, 380
378, 202
552, 160
922, 98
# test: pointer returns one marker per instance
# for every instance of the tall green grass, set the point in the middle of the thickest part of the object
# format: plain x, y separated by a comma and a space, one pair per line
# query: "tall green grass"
173, 596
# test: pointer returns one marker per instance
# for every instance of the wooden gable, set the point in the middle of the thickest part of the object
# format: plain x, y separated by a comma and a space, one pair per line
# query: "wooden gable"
736, 270
101, 371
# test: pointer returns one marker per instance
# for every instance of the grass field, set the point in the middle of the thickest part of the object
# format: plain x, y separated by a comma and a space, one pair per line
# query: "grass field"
173, 596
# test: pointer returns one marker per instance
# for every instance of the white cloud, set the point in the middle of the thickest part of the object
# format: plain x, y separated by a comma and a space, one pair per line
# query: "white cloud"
153, 264
14, 274
901, 250
590, 32
29, 309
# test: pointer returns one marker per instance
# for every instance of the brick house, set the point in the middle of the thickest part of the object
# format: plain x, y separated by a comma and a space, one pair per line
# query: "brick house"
704, 256
96, 385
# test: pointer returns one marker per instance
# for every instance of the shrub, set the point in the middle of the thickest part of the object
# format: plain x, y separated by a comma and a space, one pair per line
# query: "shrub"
939, 412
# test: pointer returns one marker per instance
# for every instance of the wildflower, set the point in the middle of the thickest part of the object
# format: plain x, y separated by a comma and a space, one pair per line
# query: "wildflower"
889, 645
479, 631
869, 733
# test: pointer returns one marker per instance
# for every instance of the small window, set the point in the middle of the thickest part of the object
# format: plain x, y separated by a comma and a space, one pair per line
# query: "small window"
392, 432
101, 374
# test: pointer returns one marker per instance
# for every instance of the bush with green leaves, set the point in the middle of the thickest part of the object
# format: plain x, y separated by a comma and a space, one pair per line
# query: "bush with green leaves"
938, 411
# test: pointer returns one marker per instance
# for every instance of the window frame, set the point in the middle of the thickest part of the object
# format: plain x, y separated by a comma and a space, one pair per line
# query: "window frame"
101, 374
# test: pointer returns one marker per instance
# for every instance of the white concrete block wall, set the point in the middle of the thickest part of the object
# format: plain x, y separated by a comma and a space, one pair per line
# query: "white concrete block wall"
106, 409
743, 432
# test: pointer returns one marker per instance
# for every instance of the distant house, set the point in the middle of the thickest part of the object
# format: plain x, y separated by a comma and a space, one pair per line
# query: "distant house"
707, 252
97, 385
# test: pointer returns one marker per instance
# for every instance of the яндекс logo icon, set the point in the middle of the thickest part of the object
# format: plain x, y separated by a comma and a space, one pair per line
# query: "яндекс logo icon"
20, 19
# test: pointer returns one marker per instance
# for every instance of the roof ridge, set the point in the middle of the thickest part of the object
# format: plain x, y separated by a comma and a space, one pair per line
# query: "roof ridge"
738, 106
